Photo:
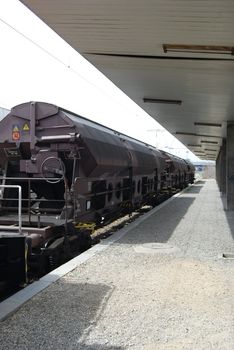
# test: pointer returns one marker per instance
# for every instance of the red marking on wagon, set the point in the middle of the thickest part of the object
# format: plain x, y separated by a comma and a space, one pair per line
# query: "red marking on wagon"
15, 135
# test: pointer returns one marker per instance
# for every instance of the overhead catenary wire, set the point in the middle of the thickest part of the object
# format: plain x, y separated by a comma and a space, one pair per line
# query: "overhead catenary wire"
64, 63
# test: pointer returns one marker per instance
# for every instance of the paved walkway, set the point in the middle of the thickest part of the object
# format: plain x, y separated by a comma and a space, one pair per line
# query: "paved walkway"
164, 285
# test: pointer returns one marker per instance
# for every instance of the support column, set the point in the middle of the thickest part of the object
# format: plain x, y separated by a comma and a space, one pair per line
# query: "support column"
217, 168
221, 168
230, 166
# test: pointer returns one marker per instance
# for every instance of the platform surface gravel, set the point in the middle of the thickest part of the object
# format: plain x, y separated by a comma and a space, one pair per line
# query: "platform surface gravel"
163, 286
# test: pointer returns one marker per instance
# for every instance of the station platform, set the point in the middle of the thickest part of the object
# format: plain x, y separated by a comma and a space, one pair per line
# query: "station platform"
163, 282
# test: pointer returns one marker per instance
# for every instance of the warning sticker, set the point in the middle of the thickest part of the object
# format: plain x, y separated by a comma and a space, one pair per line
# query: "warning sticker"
15, 135
15, 128
26, 127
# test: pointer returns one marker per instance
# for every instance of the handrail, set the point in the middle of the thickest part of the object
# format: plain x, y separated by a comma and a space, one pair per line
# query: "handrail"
28, 178
19, 201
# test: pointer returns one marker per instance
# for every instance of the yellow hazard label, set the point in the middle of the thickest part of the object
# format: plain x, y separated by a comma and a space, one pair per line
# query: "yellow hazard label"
26, 127
15, 128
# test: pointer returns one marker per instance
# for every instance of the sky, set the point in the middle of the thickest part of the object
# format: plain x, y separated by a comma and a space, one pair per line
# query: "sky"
37, 65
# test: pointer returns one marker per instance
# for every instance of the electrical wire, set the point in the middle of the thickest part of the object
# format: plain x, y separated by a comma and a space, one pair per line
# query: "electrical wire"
63, 63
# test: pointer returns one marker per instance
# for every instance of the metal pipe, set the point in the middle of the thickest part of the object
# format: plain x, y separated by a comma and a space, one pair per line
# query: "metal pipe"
19, 205
29, 201
32, 126
72, 187
35, 200
58, 138
39, 220
55, 127
29, 178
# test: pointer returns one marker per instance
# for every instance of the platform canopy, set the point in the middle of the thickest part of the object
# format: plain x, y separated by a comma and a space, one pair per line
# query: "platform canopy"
174, 58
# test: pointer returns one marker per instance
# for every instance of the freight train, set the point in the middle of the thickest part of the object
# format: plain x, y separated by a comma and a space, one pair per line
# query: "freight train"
61, 174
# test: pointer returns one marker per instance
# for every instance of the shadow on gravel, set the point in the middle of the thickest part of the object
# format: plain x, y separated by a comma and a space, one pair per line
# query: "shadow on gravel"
229, 214
200, 182
230, 220
194, 189
160, 226
61, 317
